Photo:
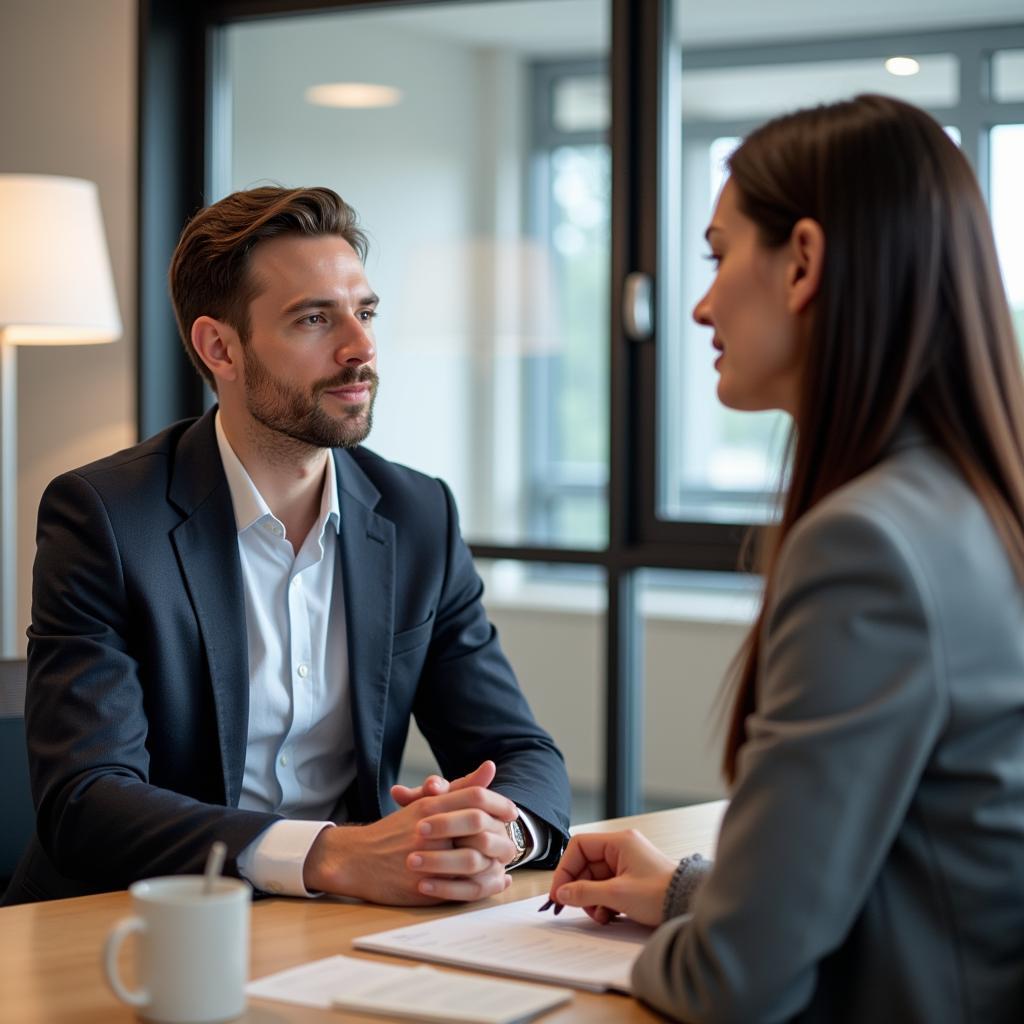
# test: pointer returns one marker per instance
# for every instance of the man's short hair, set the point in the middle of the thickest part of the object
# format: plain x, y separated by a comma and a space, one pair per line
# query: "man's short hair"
209, 274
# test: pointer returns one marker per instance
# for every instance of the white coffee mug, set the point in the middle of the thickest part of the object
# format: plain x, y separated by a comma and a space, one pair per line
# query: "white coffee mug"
192, 955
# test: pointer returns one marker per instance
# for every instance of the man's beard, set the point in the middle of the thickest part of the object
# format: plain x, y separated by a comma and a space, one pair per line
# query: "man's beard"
298, 415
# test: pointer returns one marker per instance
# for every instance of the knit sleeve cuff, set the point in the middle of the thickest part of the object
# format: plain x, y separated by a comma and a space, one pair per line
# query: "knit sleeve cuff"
685, 882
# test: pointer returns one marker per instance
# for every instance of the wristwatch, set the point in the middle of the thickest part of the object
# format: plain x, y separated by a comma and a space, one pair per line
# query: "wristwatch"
520, 839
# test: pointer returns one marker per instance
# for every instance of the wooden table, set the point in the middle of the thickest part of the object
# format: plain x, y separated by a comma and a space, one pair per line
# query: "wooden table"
50, 952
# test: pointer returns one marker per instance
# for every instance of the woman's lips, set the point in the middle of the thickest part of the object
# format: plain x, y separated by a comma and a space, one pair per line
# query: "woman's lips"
718, 347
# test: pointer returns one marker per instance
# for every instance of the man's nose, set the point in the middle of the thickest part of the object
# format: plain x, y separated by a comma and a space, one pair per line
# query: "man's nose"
356, 345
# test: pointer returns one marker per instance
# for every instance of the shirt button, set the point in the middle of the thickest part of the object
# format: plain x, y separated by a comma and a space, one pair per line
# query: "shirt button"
303, 670
278, 531
284, 760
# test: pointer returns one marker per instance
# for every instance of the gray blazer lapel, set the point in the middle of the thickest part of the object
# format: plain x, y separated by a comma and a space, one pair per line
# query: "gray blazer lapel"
208, 552
367, 553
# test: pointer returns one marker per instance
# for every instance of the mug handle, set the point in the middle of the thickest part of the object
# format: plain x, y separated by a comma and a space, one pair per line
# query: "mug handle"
125, 927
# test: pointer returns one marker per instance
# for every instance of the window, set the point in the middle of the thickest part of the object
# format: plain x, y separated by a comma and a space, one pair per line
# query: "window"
1007, 199
566, 412
493, 326
506, 207
1008, 76
715, 465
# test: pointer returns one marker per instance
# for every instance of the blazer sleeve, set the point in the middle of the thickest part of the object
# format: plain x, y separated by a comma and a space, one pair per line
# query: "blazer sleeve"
851, 699
469, 706
99, 819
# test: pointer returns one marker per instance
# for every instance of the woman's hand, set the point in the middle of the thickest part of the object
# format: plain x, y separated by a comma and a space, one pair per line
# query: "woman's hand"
609, 873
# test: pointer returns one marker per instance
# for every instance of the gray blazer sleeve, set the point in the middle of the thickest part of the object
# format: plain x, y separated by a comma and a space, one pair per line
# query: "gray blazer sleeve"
851, 698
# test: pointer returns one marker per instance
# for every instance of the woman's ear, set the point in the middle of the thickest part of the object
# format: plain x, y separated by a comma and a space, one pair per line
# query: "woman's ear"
807, 258
217, 345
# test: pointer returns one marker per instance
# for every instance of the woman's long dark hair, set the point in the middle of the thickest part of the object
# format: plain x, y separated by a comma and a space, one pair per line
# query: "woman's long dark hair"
910, 320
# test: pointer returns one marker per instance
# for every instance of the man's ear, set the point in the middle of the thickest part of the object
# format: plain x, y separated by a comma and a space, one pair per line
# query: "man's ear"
807, 259
217, 345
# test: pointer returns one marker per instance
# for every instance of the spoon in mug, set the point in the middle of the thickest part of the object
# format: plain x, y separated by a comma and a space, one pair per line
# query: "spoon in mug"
214, 866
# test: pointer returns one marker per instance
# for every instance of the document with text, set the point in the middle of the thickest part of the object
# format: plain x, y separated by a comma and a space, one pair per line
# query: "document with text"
515, 939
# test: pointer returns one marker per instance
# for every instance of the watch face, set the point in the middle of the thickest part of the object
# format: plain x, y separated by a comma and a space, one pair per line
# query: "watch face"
515, 833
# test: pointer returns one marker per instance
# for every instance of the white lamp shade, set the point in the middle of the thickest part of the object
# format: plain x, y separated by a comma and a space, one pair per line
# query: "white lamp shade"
56, 287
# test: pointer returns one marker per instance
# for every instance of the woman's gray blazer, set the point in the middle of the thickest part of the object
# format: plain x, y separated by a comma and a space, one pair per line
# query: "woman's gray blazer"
870, 867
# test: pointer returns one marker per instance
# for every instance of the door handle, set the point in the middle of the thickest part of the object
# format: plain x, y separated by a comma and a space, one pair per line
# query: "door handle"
638, 306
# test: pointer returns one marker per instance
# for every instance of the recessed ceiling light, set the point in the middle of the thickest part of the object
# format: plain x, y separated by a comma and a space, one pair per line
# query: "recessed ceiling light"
354, 95
902, 66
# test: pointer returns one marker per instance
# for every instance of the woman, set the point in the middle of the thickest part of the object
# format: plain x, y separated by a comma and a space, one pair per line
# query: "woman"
871, 864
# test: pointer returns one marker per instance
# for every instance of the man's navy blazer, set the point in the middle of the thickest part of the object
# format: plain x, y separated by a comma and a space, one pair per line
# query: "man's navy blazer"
138, 690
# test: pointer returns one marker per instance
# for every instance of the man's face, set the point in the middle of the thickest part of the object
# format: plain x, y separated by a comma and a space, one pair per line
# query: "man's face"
310, 360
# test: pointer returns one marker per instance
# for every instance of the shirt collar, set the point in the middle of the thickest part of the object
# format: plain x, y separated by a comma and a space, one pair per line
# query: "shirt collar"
249, 505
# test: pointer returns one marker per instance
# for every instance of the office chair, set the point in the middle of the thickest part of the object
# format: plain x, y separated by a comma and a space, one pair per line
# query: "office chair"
16, 811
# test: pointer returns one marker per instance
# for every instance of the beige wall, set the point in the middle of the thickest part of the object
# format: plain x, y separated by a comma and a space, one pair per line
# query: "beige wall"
67, 106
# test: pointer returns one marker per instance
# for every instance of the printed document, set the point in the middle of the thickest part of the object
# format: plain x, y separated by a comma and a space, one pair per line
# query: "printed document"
515, 939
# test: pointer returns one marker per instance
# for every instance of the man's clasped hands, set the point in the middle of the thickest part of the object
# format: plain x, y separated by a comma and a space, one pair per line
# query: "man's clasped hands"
447, 841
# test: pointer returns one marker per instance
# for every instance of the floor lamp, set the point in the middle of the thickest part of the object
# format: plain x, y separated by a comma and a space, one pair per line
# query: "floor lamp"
56, 288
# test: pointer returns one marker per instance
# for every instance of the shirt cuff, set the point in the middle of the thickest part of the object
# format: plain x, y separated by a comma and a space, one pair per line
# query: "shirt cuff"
274, 860
538, 837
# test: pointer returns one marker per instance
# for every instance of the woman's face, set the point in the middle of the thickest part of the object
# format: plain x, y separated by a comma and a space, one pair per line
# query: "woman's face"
750, 307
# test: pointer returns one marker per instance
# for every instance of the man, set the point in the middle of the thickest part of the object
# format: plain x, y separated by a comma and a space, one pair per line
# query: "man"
234, 621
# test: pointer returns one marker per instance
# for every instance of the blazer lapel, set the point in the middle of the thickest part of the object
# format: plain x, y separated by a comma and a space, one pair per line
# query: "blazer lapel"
208, 552
367, 553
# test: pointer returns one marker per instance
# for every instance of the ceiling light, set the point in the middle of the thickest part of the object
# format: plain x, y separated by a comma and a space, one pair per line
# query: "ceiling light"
354, 95
902, 66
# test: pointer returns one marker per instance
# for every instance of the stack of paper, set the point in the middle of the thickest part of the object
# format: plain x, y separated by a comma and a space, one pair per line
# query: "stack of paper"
419, 993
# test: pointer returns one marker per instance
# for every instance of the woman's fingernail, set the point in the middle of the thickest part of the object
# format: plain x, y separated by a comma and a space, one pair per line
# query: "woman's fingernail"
424, 828
563, 895
415, 860
426, 887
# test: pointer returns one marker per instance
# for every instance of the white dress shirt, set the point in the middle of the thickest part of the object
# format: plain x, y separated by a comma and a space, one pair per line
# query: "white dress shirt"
300, 752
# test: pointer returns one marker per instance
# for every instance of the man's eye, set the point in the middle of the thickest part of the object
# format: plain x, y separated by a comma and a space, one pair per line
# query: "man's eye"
314, 319
366, 315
